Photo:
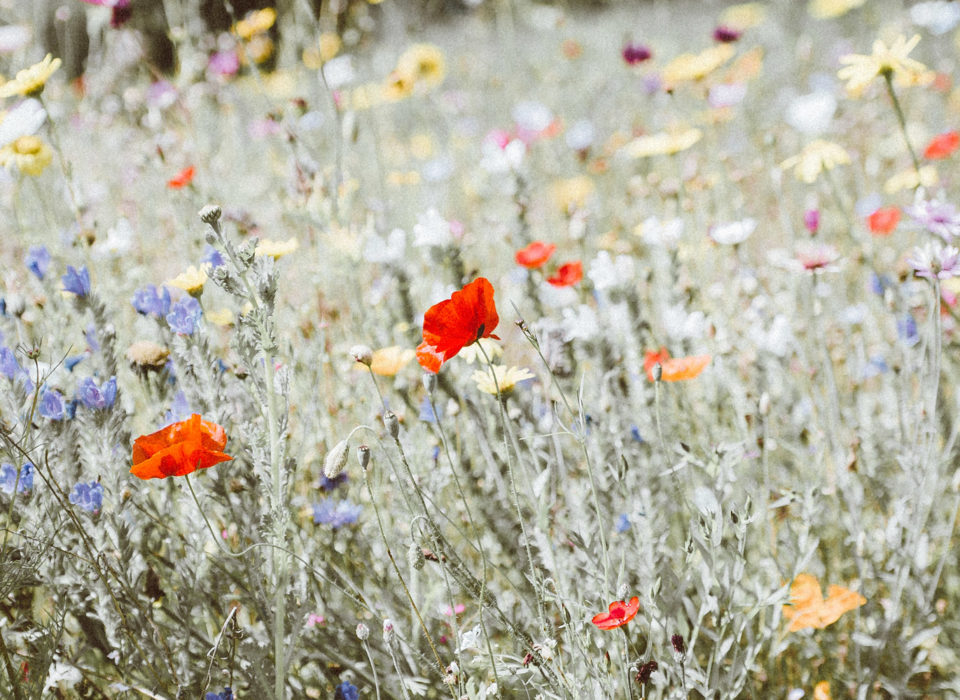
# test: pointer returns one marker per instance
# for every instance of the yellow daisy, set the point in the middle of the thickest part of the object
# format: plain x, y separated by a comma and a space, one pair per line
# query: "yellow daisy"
388, 361
827, 9
424, 62
29, 154
910, 179
472, 353
859, 70
744, 16
398, 86
220, 317
507, 378
662, 144
254, 23
690, 67
816, 157
191, 281
276, 249
572, 193
30, 81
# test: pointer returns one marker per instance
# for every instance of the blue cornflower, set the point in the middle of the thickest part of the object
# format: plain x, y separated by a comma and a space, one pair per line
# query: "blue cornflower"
88, 495
150, 300
90, 335
8, 477
97, 397
37, 260
212, 256
330, 484
346, 691
184, 316
9, 367
72, 361
623, 523
335, 514
635, 433
51, 405
179, 409
227, 694
907, 330
76, 281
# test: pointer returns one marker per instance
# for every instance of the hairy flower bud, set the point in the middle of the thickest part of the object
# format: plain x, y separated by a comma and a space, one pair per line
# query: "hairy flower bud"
363, 456
388, 633
678, 645
211, 214
362, 354
336, 460
392, 424
657, 372
415, 556
430, 383
363, 632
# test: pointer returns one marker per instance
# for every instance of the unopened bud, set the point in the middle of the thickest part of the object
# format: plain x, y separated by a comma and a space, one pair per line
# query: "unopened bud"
363, 456
211, 214
657, 372
392, 424
415, 556
336, 460
678, 645
362, 354
764, 406
362, 632
429, 382
388, 633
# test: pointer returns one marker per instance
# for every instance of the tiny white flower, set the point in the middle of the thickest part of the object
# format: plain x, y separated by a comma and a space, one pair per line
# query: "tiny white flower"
23, 120
607, 273
937, 17
470, 639
581, 135
733, 233
662, 233
532, 116
431, 229
580, 323
385, 250
811, 114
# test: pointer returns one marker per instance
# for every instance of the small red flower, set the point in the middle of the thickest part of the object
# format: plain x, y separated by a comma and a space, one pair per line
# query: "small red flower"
535, 254
883, 220
568, 275
181, 179
179, 449
674, 369
619, 614
454, 323
942, 145
651, 358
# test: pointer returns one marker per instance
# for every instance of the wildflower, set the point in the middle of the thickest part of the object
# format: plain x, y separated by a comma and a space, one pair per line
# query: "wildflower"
535, 255
182, 179
331, 484
812, 113
937, 17
388, 361
88, 496
910, 179
256, 22
179, 449
607, 272
346, 691
618, 614
227, 694
634, 54
13, 37
623, 522
424, 63
397, 86
145, 355
809, 609
191, 281
884, 220
572, 193
661, 233
37, 260
662, 143
467, 316
223, 63
744, 16
811, 220
860, 70
276, 249
675, 369
313, 619
9, 367
726, 35
212, 257
733, 233
652, 358
23, 120
815, 158
97, 398
938, 217
149, 300
431, 229
51, 405
472, 353
221, 317
690, 67
28, 154
817, 258
942, 145
935, 261
9, 478
821, 691
76, 281
726, 95
456, 610
507, 379
336, 514
567, 274
30, 81
646, 671
184, 316
826, 9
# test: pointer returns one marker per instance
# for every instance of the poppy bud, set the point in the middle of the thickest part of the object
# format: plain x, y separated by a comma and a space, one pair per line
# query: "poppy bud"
392, 424
430, 382
657, 372
336, 460
363, 632
363, 456
210, 214
362, 354
415, 556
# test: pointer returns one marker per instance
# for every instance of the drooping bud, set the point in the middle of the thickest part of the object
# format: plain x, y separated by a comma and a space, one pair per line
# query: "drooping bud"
415, 557
429, 382
362, 354
392, 424
388, 633
336, 460
363, 456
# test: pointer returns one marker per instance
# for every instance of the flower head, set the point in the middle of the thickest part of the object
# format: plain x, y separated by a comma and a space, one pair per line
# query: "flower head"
567, 274
938, 217
276, 249
179, 449
690, 67
191, 280
942, 145
88, 496
256, 22
809, 609
150, 300
663, 143
336, 514
30, 155
827, 9
76, 281
346, 691
634, 54
935, 261
618, 614
9, 478
811, 220
725, 34
184, 316
816, 157
507, 379
423, 63
883, 221
182, 179
535, 255
97, 398
449, 326
733, 233
30, 81
37, 260
23, 120
860, 70
388, 361
51, 405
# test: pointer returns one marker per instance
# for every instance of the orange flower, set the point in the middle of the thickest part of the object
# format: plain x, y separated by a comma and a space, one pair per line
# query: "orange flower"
535, 254
454, 323
942, 145
618, 614
181, 179
674, 369
179, 449
883, 220
809, 609
651, 358
567, 275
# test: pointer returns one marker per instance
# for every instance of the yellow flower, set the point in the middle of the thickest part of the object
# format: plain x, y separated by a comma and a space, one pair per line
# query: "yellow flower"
30, 81
327, 47
276, 249
254, 23
398, 178
572, 193
28, 154
696, 66
258, 49
816, 157
821, 691
826, 9
662, 144
388, 361
910, 180
507, 378
745, 16
398, 86
191, 281
472, 353
421, 146
424, 62
221, 317
860, 70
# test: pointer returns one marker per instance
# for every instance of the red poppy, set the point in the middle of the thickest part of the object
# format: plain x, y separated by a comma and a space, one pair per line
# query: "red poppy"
179, 449
883, 220
942, 145
535, 254
454, 323
181, 179
674, 369
619, 614
568, 275
651, 358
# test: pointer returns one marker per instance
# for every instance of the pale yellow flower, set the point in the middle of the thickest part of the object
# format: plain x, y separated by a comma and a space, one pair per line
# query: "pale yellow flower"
192, 280
388, 361
744, 16
424, 62
910, 179
398, 178
421, 146
696, 66
816, 157
827, 9
859, 70
28, 154
507, 378
258, 49
663, 143
471, 353
398, 85
220, 317
30, 81
327, 47
276, 249
572, 193
256, 22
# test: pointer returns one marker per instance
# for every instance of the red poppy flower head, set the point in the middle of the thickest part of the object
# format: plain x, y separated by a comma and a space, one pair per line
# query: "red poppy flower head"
179, 449
618, 614
883, 221
567, 275
181, 179
942, 145
535, 254
653, 357
454, 323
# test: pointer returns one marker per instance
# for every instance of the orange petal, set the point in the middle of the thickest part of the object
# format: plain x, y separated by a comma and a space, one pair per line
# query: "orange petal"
676, 369
429, 358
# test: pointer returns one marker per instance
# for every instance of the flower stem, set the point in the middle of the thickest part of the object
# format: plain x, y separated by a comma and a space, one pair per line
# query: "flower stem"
898, 110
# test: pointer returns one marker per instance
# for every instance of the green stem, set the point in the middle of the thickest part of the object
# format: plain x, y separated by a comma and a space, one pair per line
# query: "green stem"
898, 110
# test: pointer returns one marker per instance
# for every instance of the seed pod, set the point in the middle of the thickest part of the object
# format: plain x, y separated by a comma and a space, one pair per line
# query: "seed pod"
392, 424
415, 556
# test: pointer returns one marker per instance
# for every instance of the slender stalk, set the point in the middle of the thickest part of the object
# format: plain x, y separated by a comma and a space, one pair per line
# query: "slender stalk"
898, 110
373, 667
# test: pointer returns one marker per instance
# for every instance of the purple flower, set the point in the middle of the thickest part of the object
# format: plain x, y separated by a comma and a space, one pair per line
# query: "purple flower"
224, 63
72, 361
76, 281
227, 694
88, 495
330, 484
179, 409
942, 262
725, 35
346, 691
91, 337
907, 330
97, 398
811, 219
37, 260
51, 405
8, 478
426, 411
939, 218
184, 316
149, 300
9, 367
623, 523
635, 53
212, 256
336, 514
